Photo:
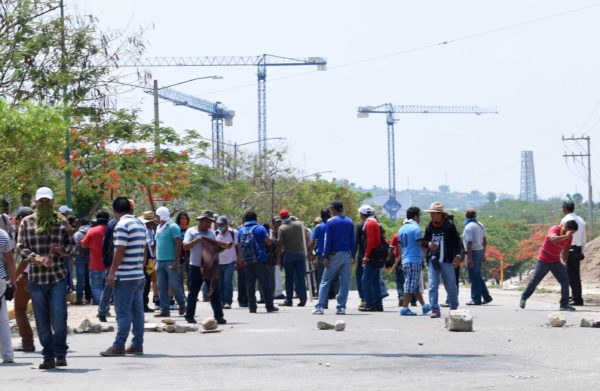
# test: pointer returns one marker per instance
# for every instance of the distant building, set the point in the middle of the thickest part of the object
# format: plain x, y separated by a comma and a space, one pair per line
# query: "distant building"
528, 190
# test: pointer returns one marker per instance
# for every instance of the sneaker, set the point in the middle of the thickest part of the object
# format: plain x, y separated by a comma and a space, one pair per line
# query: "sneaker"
340, 311
252, 310
568, 308
182, 309
445, 305
49, 363
221, 321
243, 304
522, 303
318, 311
148, 309
435, 313
407, 312
272, 309
301, 304
426, 309
488, 301
113, 352
285, 304
473, 303
191, 320
362, 304
102, 318
61, 361
26, 349
8, 361
163, 315
134, 351
226, 306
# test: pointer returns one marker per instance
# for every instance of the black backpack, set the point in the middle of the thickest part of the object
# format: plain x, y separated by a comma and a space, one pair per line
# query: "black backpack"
379, 256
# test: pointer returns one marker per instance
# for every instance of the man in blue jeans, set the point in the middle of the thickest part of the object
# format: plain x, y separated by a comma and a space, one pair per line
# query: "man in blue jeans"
291, 247
475, 242
45, 243
168, 253
444, 253
338, 253
126, 277
227, 260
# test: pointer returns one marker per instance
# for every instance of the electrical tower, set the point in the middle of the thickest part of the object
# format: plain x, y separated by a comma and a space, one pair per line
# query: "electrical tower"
392, 206
587, 155
261, 62
218, 113
528, 189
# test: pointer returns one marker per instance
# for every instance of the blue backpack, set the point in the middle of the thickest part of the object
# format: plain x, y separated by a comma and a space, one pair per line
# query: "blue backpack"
249, 246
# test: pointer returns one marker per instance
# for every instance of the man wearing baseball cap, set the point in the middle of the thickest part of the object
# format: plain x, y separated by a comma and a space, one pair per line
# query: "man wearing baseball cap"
45, 243
573, 261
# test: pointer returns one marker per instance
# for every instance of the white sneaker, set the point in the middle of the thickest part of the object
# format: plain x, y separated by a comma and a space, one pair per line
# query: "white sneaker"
340, 311
318, 311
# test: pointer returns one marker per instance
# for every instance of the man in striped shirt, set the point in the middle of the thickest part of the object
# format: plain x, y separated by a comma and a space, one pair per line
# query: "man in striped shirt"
127, 279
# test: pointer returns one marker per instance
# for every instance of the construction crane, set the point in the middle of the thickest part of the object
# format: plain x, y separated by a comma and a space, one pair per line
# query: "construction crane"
261, 62
392, 206
218, 113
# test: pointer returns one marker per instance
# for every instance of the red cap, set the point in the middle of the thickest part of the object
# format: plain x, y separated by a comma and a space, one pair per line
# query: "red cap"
284, 214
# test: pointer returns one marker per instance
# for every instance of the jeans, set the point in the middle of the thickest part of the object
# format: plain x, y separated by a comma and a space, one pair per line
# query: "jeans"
278, 287
168, 278
196, 281
573, 270
335, 284
558, 271
382, 287
448, 276
105, 299
241, 286
295, 273
339, 264
260, 272
478, 287
50, 310
82, 268
372, 286
359, 274
226, 283
129, 307
22, 298
400, 281
98, 282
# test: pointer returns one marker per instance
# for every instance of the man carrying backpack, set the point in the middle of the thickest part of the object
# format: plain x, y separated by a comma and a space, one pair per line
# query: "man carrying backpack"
252, 239
82, 264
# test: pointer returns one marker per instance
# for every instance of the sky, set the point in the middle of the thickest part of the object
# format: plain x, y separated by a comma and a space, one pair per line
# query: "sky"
543, 76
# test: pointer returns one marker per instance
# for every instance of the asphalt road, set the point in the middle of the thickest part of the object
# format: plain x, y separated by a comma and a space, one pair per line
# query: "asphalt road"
509, 349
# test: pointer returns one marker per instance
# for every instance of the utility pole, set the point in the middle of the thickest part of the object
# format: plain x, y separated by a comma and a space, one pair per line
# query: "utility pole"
156, 121
63, 60
589, 172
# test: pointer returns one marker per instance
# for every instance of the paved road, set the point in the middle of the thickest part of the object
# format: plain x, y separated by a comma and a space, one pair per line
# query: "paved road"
510, 348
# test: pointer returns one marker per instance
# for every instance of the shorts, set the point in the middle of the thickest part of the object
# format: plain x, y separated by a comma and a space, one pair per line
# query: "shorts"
412, 277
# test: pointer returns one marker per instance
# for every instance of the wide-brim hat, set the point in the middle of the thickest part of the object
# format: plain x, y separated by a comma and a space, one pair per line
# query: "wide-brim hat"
436, 207
147, 217
207, 214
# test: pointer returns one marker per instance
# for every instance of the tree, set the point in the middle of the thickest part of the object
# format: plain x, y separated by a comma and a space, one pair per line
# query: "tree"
31, 144
577, 198
444, 189
491, 197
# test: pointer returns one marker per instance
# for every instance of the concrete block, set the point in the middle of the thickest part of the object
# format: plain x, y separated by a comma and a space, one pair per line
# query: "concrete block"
459, 320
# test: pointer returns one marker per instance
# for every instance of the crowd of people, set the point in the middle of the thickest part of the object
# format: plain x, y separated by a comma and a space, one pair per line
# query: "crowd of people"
122, 260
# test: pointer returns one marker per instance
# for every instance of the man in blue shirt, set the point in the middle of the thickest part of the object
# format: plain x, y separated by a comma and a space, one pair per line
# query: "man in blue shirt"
337, 258
254, 259
318, 247
409, 242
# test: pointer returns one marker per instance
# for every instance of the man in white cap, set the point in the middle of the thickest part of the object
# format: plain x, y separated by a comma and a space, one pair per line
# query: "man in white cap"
168, 253
65, 210
45, 243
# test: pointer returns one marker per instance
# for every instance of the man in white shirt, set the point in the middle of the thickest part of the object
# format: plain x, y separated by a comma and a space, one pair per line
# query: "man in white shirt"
575, 252
475, 242
227, 260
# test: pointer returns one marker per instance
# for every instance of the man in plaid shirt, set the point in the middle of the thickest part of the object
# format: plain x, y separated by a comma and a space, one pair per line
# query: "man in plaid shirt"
45, 243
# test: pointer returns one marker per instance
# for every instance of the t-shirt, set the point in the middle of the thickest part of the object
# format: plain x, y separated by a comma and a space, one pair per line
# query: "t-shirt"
291, 236
579, 236
93, 240
230, 255
260, 234
196, 251
319, 235
6, 245
474, 232
339, 235
550, 252
394, 244
131, 233
409, 237
373, 234
165, 241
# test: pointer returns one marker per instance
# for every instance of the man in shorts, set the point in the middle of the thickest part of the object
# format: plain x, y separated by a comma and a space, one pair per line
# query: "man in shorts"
409, 238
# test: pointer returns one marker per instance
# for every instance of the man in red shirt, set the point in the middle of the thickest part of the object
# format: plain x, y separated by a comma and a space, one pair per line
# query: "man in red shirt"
93, 241
371, 279
556, 245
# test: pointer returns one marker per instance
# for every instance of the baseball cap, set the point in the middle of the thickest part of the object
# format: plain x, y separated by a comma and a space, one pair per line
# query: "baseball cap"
44, 192
284, 214
65, 209
337, 205
366, 210
23, 212
222, 220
